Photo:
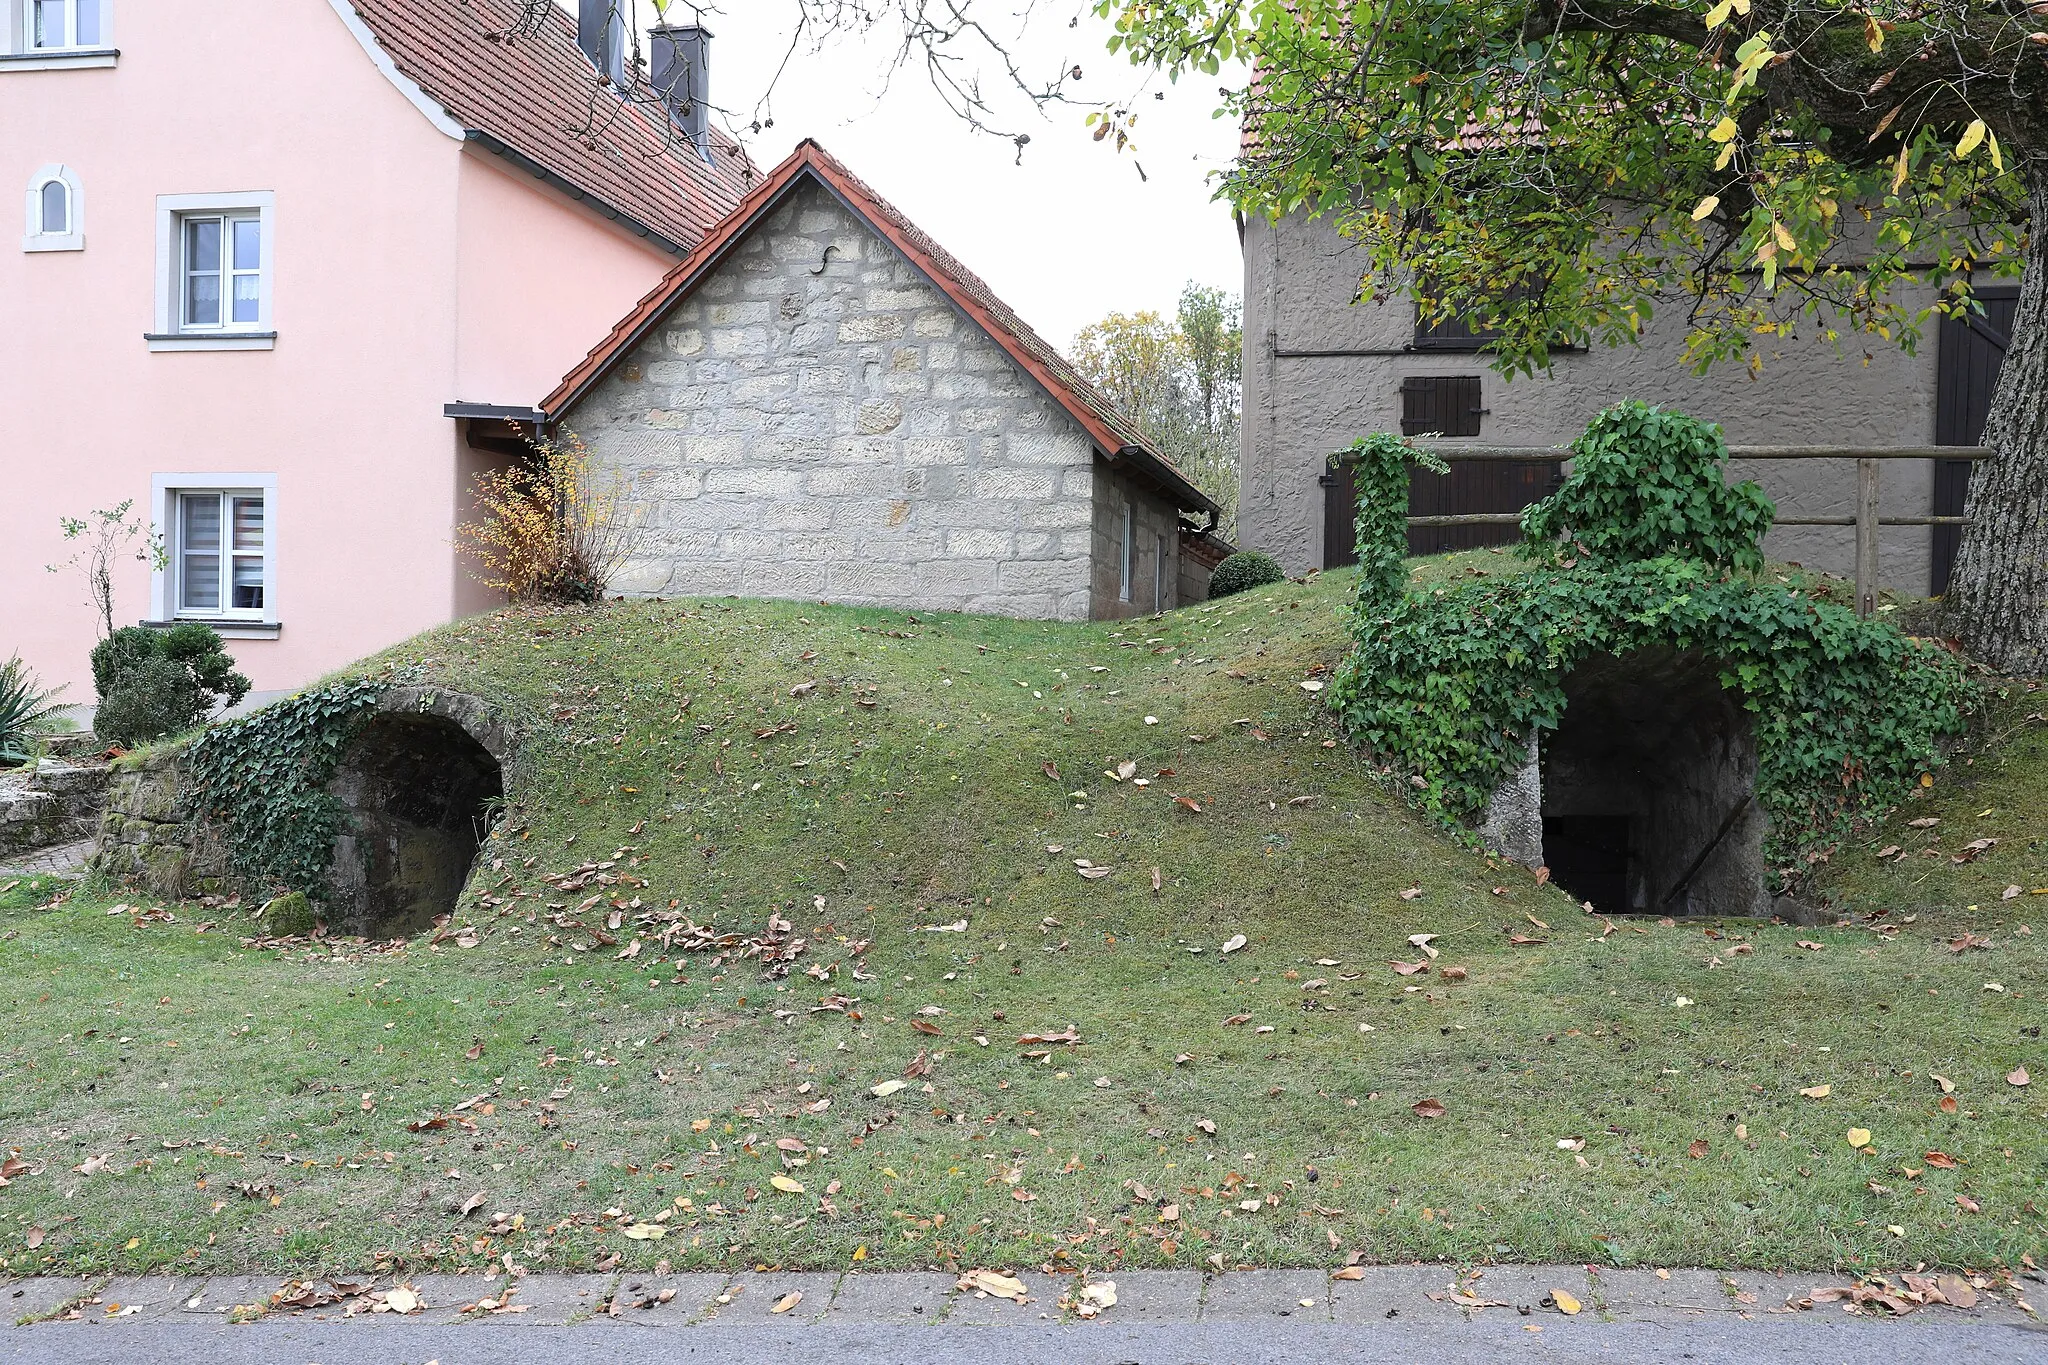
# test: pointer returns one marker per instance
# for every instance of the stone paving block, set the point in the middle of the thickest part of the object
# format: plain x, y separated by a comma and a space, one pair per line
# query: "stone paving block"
972, 1309
222, 1294
36, 1298
151, 1296
910, 1297
553, 1300
1395, 1293
1154, 1296
1249, 1295
755, 1294
1527, 1286
1640, 1295
442, 1297
638, 1299
1756, 1293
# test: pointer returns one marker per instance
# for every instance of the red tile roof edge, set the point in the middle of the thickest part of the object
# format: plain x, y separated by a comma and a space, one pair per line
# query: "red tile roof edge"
1112, 433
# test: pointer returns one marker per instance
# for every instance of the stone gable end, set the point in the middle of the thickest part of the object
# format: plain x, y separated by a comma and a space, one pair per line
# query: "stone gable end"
817, 420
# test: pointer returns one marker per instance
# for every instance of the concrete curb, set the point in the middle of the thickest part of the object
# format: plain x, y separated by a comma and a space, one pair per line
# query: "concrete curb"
1419, 1294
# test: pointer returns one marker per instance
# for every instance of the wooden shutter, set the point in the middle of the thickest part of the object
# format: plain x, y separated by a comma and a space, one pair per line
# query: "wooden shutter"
1443, 405
1972, 349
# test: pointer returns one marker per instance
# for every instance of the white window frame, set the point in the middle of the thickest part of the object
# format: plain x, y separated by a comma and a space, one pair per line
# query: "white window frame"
34, 238
1123, 590
165, 492
171, 333
17, 40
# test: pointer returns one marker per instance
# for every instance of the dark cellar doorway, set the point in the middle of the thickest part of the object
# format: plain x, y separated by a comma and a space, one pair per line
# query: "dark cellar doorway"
1649, 788
420, 793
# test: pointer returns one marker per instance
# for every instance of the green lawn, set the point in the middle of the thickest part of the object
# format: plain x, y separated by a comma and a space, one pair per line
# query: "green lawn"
255, 1107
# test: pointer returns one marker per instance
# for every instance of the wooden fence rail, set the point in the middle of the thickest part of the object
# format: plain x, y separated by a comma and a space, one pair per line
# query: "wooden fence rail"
1866, 521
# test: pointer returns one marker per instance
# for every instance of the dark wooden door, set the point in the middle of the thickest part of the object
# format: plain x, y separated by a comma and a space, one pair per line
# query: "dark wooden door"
1966, 374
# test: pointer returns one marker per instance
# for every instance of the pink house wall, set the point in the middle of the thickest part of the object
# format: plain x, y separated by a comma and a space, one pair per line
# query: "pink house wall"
407, 273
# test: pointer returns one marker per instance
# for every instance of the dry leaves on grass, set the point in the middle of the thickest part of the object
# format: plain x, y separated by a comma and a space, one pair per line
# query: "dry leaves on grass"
1409, 968
994, 1284
1429, 1109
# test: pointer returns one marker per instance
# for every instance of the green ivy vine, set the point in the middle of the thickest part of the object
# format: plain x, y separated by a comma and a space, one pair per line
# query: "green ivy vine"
1449, 684
262, 781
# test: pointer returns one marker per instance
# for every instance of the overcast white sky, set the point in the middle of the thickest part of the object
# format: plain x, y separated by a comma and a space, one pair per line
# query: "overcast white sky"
1067, 236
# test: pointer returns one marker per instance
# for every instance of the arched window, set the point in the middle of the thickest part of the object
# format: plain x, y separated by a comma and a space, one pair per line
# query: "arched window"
56, 211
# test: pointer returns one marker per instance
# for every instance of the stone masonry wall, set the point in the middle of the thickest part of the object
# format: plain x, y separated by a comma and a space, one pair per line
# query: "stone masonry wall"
1154, 526
52, 803
816, 420
148, 835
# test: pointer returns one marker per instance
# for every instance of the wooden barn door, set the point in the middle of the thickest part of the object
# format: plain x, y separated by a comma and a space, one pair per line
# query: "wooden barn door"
1972, 349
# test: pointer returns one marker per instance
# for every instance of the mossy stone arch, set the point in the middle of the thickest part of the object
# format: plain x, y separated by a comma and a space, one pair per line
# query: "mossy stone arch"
420, 781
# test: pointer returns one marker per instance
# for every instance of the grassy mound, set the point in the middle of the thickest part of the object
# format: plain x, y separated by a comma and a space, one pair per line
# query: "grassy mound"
880, 782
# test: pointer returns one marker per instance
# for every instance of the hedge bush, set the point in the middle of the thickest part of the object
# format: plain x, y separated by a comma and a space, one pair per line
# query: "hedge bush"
154, 683
1243, 571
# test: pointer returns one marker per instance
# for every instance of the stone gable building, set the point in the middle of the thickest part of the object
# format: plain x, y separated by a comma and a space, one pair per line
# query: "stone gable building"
820, 402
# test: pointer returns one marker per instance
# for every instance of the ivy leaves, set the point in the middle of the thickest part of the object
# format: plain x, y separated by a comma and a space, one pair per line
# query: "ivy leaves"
264, 778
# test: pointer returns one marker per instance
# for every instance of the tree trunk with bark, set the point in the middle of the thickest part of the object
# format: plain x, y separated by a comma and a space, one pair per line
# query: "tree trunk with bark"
1997, 603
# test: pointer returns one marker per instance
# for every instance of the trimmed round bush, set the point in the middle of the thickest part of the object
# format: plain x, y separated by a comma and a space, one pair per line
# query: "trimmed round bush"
1243, 570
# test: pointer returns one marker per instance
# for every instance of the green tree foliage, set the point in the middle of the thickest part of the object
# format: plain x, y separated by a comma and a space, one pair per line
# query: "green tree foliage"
1572, 168
1646, 482
1449, 685
154, 683
1178, 379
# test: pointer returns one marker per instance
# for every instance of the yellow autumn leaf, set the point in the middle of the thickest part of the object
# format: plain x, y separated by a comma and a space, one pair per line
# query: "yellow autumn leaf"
785, 1184
1972, 135
1873, 34
647, 1232
1718, 15
1859, 1137
1727, 155
1725, 129
1784, 237
1899, 172
1565, 1302
1706, 206
1817, 1092
1997, 160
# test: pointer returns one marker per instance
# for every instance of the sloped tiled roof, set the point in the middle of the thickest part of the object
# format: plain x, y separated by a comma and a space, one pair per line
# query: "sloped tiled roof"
517, 78
1111, 431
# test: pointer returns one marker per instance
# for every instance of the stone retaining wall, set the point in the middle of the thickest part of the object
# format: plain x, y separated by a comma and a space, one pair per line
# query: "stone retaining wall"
54, 803
148, 835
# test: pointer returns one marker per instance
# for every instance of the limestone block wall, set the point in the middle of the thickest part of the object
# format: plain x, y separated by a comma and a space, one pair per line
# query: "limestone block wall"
816, 420
51, 803
1321, 371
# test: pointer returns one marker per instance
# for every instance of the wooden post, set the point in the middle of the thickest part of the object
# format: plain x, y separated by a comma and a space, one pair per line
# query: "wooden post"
1866, 537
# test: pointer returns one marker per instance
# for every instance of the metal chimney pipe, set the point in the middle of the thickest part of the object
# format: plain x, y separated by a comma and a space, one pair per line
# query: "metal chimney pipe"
601, 33
682, 77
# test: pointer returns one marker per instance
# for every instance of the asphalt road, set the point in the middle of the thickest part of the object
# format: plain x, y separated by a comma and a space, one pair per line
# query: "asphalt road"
1806, 1339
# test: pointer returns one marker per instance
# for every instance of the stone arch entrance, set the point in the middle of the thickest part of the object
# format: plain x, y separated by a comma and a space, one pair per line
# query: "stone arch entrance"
421, 782
1643, 801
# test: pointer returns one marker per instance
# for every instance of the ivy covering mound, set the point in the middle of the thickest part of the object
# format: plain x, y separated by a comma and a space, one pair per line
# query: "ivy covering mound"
262, 781
1643, 547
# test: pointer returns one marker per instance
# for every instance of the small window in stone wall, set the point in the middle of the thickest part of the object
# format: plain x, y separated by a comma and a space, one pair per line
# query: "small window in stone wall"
1123, 589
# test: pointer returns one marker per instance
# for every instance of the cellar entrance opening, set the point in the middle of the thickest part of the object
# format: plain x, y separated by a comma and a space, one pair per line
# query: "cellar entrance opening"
1649, 790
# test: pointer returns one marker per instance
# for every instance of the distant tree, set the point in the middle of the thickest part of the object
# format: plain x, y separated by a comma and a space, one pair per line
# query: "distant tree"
1178, 381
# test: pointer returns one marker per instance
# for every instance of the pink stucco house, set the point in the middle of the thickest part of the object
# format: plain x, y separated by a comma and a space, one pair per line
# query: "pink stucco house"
278, 258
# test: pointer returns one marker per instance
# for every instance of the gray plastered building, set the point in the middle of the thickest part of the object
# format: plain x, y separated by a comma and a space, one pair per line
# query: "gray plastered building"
1321, 371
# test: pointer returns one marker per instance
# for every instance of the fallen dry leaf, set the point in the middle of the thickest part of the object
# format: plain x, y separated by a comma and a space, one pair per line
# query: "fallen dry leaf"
993, 1284
1453, 973
2018, 1077
1236, 941
1859, 1137
785, 1184
1565, 1302
1698, 1149
886, 1088
1429, 1109
647, 1232
1409, 968
788, 1301
1817, 1092
1411, 893
1941, 1161
1968, 1205
1350, 1272
1188, 803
